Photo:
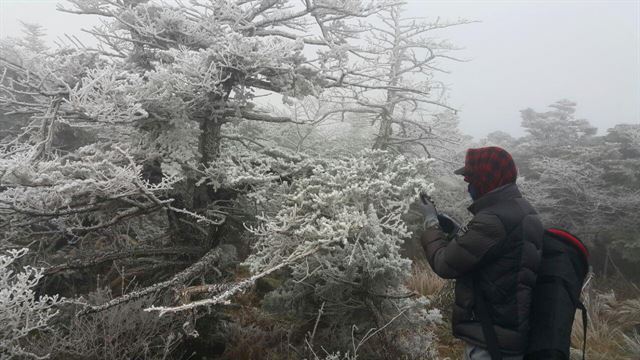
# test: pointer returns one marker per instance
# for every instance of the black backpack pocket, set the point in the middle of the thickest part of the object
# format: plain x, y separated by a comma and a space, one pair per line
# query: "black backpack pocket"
556, 296
551, 320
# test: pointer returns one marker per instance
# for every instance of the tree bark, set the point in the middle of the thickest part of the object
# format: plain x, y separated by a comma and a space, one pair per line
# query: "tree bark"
210, 138
386, 119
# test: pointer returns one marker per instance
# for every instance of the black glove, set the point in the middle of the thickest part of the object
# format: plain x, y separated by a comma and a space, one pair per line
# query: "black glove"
428, 211
448, 224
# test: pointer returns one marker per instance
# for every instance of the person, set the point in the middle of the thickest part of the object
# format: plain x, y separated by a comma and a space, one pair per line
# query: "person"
494, 260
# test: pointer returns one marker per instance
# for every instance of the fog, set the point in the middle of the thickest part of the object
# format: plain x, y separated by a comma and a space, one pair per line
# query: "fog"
520, 54
246, 179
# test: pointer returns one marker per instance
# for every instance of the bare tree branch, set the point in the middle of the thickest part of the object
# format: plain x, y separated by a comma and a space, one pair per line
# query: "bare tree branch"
220, 255
81, 263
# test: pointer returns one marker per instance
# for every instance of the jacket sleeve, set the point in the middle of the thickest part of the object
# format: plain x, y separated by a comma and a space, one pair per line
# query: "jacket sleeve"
455, 258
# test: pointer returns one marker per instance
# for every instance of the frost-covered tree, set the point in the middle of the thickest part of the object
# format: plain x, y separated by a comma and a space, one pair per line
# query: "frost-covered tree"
580, 181
622, 175
348, 214
392, 79
33, 37
316, 130
141, 160
557, 127
22, 312
105, 176
150, 105
500, 138
583, 174
27, 50
215, 55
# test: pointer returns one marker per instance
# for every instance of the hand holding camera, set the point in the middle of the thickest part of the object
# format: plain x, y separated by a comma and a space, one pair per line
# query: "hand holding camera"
432, 218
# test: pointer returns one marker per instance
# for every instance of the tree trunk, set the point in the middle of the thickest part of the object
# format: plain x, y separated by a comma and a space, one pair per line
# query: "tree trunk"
196, 198
383, 140
385, 131
210, 139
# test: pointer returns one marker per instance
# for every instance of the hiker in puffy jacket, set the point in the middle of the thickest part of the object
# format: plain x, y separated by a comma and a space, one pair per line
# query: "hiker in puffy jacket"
496, 257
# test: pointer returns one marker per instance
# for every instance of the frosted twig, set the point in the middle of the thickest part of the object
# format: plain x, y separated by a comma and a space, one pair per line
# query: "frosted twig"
315, 326
213, 256
223, 298
372, 332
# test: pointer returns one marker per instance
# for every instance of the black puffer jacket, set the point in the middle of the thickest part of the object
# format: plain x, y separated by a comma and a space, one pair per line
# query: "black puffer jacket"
502, 246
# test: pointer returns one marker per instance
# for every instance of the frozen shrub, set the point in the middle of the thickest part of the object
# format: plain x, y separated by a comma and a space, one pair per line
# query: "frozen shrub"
122, 333
350, 211
22, 312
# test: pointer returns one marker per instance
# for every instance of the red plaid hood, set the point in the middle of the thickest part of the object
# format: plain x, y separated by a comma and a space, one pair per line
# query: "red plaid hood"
488, 168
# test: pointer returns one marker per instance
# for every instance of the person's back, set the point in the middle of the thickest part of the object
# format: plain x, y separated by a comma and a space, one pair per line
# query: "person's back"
496, 258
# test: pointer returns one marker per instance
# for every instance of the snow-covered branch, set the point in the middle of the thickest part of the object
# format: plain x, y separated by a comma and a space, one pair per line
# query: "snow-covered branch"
21, 311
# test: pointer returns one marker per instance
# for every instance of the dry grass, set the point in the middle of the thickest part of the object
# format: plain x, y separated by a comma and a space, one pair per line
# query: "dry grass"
256, 335
632, 344
449, 348
611, 327
603, 334
627, 314
425, 282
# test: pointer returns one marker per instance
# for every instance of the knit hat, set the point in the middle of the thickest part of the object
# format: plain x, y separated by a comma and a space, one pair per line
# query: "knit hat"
488, 168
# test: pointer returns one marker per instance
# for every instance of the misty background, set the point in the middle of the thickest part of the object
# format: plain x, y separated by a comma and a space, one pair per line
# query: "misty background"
520, 54
249, 170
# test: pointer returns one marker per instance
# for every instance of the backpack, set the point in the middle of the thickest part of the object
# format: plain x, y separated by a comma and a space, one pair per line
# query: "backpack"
556, 297
561, 275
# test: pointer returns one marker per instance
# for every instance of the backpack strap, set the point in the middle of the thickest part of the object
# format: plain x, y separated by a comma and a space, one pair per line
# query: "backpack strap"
583, 310
585, 319
487, 327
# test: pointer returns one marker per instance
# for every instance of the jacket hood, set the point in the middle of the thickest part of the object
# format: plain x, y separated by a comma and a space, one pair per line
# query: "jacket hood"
489, 168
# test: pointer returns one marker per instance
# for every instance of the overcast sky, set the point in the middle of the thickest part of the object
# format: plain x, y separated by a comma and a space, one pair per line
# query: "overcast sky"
521, 54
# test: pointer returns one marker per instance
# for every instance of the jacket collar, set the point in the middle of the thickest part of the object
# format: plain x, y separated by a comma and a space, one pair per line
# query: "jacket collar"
505, 192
